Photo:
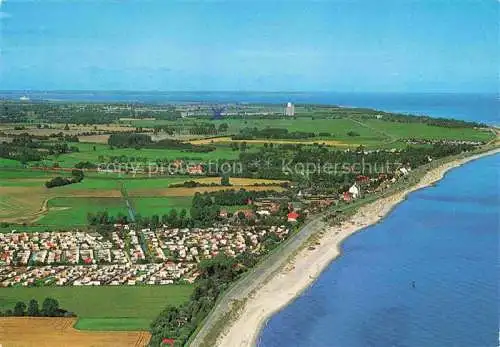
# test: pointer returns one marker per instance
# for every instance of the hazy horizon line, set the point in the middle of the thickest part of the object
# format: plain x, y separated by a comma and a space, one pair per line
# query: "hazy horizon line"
157, 91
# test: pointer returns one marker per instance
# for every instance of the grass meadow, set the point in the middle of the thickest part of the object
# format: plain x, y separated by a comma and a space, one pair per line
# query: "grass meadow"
371, 132
73, 210
159, 205
106, 307
92, 152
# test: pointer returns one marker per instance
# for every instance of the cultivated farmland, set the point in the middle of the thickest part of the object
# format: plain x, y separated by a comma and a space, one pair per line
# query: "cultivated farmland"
55, 332
118, 307
24, 198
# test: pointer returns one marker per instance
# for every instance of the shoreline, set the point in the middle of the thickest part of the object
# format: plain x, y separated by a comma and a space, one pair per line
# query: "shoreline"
304, 268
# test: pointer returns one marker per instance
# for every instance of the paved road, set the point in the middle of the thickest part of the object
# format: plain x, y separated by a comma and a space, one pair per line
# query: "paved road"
242, 288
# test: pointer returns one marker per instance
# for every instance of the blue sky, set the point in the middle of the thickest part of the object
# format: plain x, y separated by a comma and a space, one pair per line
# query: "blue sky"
342, 45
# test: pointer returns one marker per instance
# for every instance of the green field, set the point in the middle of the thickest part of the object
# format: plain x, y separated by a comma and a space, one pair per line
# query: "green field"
74, 210
105, 308
154, 182
424, 131
23, 195
337, 127
106, 182
371, 132
87, 153
148, 206
20, 174
113, 324
9, 163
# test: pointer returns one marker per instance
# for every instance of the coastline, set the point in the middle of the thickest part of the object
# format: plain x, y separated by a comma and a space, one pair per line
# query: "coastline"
301, 271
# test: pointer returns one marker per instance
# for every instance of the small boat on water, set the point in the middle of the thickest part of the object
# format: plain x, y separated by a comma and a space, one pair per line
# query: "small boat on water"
24, 98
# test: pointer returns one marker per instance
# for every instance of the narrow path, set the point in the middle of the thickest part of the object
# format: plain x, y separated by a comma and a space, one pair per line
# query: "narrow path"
130, 207
390, 137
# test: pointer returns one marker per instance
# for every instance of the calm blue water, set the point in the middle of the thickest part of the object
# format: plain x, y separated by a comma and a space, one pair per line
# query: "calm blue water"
446, 239
473, 107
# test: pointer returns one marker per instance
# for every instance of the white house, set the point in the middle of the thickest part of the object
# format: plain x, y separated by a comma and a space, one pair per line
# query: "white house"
354, 190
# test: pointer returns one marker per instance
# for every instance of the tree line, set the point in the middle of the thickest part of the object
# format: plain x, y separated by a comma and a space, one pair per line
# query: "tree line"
76, 177
271, 133
137, 141
50, 308
205, 211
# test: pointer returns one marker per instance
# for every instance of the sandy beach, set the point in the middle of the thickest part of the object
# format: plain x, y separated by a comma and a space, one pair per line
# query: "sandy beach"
283, 286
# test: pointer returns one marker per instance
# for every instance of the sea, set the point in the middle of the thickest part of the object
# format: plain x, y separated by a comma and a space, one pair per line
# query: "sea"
426, 275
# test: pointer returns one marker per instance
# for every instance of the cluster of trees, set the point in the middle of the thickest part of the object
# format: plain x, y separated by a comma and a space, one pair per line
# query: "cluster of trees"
224, 181
206, 207
215, 276
50, 308
85, 165
76, 177
204, 211
401, 118
19, 112
60, 135
38, 141
104, 218
173, 218
23, 154
239, 146
271, 133
185, 146
13, 112
289, 162
66, 137
25, 148
194, 184
208, 129
133, 140
164, 128
104, 221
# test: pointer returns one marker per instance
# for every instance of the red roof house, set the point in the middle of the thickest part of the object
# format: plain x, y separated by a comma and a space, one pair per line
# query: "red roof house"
167, 341
292, 216
195, 170
347, 196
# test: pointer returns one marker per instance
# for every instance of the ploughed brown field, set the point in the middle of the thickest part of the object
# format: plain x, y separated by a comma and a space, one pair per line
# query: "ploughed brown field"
55, 332
94, 138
